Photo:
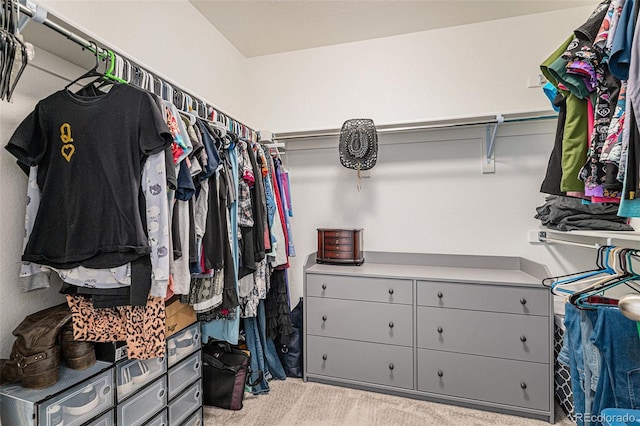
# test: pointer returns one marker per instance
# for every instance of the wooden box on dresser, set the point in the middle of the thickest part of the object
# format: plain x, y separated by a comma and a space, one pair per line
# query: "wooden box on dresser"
475, 331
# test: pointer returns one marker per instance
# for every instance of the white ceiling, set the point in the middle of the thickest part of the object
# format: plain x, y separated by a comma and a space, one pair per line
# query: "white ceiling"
262, 27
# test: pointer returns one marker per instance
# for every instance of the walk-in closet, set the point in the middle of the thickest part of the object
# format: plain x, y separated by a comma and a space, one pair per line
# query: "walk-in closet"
319, 212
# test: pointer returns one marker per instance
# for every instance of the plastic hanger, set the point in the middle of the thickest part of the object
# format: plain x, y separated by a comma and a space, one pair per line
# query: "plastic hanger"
601, 263
189, 116
112, 64
580, 298
599, 280
12, 46
93, 72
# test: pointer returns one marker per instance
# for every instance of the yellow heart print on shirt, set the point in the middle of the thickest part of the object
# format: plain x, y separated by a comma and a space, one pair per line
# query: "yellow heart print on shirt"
67, 149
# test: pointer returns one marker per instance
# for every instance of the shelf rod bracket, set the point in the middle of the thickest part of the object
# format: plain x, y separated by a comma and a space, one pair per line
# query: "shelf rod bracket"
488, 160
543, 238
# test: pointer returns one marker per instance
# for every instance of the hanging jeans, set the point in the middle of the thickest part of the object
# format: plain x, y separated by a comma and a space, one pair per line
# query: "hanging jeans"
573, 336
619, 343
592, 362
263, 351
585, 361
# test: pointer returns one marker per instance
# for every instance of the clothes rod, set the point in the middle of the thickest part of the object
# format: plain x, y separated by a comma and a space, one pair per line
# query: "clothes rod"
428, 125
544, 239
59, 29
37, 17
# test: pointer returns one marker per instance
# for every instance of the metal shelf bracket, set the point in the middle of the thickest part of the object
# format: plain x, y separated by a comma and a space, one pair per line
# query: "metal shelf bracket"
488, 157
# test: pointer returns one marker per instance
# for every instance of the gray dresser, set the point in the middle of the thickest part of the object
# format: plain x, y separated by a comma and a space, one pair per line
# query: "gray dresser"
475, 331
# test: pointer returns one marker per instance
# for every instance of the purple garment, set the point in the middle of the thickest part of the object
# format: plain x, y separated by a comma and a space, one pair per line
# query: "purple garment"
595, 191
287, 190
585, 70
291, 250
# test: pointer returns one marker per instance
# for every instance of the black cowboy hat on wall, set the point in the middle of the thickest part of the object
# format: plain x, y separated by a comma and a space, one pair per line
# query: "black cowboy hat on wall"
358, 145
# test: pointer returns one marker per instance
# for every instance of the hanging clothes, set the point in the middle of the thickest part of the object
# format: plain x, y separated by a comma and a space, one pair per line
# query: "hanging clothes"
225, 321
73, 145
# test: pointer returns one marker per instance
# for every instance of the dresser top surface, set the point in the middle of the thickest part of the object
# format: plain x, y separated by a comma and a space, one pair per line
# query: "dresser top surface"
449, 268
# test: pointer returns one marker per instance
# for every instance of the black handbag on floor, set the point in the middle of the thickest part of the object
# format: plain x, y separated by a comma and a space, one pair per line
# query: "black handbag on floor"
290, 354
226, 371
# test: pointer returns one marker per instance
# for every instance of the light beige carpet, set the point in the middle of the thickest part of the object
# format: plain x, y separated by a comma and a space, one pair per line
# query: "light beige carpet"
293, 402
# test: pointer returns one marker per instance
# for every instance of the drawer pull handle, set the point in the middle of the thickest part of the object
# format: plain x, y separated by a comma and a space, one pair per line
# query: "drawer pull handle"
439, 329
324, 318
324, 286
390, 291
523, 301
324, 357
523, 385
390, 324
391, 367
440, 373
440, 295
160, 393
523, 339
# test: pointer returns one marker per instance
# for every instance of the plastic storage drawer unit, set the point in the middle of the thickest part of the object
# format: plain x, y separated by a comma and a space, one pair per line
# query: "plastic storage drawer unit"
145, 404
184, 374
160, 419
183, 344
134, 374
107, 419
195, 420
185, 404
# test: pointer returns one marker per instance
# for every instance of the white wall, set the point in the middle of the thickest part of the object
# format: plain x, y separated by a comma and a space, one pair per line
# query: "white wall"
34, 85
429, 195
170, 37
466, 70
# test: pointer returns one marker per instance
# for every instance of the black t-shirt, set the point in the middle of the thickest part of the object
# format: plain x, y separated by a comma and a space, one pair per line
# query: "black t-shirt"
89, 152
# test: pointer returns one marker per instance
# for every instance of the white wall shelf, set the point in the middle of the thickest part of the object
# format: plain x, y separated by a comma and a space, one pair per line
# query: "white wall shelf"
587, 239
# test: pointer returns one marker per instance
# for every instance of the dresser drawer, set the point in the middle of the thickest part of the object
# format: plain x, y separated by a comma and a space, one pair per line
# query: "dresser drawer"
493, 298
81, 402
516, 383
357, 320
134, 374
346, 253
339, 244
366, 362
337, 233
184, 374
142, 406
511, 336
387, 290
185, 404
